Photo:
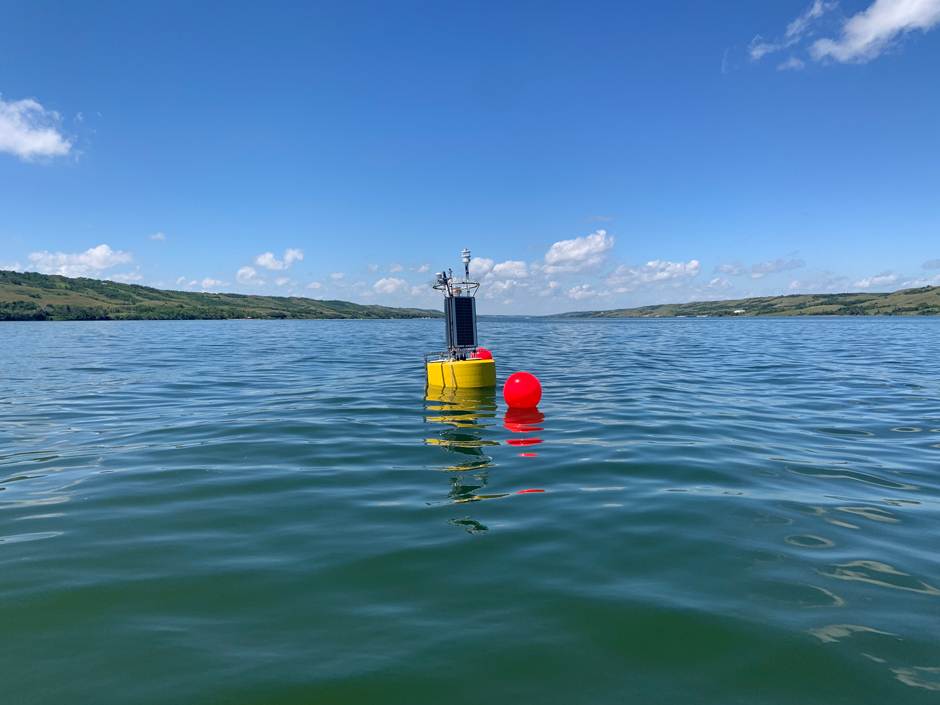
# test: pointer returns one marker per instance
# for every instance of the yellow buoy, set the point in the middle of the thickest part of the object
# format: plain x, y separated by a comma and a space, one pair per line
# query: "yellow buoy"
461, 374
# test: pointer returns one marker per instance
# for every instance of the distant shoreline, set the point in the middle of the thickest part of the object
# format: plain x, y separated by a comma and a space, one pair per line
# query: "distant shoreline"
923, 301
29, 296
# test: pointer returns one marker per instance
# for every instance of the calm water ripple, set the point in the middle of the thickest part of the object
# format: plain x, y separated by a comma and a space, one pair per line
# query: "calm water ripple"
702, 511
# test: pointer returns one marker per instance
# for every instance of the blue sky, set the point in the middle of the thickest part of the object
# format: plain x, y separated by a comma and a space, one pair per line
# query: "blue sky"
591, 155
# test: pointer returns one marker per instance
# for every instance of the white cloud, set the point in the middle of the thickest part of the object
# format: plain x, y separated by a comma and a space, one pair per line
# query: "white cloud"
281, 281
931, 264
867, 34
578, 255
180, 280
885, 278
510, 269
269, 261
395, 267
134, 276
158, 236
28, 130
371, 269
420, 268
581, 292
863, 37
480, 267
761, 269
11, 267
314, 285
208, 283
247, 276
390, 285
79, 264
627, 278
914, 283
336, 276
498, 289
552, 289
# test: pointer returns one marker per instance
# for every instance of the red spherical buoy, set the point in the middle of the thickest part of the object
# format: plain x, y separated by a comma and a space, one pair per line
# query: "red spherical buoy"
482, 354
522, 391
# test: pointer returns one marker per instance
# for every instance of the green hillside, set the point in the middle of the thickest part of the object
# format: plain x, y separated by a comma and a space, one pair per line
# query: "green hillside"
39, 297
907, 302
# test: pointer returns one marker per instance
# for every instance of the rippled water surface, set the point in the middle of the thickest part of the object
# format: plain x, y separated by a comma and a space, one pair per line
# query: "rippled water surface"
730, 511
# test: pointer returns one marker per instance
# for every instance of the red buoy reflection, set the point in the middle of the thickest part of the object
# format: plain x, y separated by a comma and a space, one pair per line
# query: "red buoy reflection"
523, 420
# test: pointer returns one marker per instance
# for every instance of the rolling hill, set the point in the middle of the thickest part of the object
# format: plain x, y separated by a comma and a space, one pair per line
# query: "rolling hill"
29, 296
924, 301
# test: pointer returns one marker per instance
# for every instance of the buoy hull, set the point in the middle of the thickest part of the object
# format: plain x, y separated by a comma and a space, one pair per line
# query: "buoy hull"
461, 374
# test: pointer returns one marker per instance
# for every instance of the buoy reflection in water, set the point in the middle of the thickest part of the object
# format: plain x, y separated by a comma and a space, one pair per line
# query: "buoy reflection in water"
524, 421
468, 420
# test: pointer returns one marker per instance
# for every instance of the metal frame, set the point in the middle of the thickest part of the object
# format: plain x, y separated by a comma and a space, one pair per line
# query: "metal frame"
453, 288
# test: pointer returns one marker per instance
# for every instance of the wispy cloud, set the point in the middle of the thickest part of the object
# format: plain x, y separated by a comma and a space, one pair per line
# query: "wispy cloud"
30, 131
158, 236
761, 269
794, 33
931, 264
821, 282
860, 38
134, 276
792, 63
598, 217
208, 283
79, 264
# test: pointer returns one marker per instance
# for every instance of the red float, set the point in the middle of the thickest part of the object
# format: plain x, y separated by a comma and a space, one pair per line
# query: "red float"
482, 354
522, 391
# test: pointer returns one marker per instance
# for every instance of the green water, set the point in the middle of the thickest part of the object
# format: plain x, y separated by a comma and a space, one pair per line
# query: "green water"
734, 511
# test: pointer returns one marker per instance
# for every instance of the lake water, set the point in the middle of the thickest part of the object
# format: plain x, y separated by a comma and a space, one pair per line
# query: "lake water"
734, 511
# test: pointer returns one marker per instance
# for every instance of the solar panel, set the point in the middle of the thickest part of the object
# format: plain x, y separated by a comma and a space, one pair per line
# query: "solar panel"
461, 320
465, 323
